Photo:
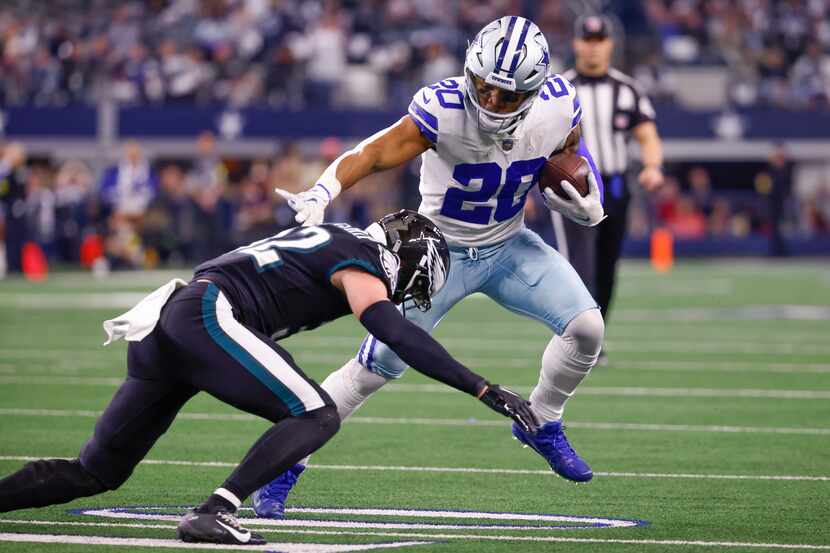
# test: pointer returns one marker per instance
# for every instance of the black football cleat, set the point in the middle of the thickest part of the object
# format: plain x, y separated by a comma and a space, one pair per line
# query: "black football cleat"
219, 527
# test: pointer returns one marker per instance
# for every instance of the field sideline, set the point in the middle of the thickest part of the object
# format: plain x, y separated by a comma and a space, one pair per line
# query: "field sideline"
709, 430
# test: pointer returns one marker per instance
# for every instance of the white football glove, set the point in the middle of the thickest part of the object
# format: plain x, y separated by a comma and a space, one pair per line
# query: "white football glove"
585, 211
309, 205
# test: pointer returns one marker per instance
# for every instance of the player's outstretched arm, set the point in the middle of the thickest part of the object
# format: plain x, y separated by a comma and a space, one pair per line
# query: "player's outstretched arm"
383, 150
368, 299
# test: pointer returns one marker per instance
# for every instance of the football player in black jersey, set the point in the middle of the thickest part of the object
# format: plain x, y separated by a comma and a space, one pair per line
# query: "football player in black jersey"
217, 334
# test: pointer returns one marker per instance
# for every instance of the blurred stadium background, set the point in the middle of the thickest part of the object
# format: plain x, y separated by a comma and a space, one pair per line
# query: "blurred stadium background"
208, 105
711, 421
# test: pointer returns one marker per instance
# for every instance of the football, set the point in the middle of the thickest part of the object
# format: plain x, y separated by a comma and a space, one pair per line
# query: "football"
565, 166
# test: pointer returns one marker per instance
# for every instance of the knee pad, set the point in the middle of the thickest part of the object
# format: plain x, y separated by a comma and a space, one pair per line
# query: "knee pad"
585, 333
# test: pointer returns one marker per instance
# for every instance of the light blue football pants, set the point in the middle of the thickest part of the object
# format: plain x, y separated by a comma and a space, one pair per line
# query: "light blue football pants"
522, 274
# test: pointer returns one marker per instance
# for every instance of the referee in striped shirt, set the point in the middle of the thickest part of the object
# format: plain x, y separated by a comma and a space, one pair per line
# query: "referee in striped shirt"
613, 110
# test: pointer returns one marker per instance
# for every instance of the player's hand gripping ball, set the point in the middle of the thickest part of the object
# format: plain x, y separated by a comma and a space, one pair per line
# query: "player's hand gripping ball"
569, 186
565, 166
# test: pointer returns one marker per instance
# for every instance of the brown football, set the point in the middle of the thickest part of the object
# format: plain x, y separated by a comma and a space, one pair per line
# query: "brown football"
565, 166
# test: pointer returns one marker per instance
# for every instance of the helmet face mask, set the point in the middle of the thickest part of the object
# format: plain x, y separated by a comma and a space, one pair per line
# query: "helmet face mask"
426, 279
422, 253
493, 122
510, 53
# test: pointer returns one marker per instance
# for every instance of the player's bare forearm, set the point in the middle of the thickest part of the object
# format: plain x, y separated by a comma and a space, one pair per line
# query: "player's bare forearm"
386, 149
383, 150
651, 154
572, 142
651, 147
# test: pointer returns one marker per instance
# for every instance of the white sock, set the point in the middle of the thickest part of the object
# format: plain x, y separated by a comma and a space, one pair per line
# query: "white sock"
349, 386
566, 362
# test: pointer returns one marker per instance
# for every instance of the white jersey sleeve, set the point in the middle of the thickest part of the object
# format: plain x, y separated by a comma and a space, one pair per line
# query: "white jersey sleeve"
435, 103
560, 111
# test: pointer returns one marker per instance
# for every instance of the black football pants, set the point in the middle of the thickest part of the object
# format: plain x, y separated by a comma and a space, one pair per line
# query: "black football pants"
198, 345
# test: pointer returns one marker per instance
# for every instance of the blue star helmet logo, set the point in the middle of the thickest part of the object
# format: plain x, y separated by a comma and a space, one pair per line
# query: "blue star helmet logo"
545, 60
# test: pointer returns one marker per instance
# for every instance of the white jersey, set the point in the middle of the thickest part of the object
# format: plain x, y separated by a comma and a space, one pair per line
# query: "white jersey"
474, 185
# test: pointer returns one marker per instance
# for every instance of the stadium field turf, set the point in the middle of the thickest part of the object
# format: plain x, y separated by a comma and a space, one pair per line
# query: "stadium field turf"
708, 431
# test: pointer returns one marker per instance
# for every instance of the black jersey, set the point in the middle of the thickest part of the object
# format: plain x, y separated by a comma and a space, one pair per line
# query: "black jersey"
282, 284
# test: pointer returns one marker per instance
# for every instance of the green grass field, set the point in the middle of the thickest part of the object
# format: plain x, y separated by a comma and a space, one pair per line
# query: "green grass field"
712, 423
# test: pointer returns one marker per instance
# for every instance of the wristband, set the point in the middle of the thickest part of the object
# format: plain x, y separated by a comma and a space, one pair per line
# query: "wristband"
328, 181
326, 190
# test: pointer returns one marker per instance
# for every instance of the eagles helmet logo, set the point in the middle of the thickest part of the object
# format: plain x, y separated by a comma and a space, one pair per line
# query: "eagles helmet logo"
421, 252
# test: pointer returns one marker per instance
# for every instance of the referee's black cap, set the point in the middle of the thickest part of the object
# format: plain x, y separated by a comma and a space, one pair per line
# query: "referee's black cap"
592, 26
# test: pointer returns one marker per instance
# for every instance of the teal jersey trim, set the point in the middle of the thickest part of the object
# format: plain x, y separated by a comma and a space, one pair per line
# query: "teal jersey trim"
232, 348
354, 262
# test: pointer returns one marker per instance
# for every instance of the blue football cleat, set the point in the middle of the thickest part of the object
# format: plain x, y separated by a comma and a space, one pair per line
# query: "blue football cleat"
269, 500
550, 442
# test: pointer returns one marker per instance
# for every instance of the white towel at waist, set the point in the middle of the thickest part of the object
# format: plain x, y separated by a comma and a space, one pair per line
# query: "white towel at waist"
140, 321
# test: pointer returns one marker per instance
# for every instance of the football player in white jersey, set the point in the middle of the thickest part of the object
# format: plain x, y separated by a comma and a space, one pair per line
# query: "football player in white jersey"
483, 138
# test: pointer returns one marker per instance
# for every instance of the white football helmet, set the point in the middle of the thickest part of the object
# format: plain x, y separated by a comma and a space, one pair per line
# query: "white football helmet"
510, 53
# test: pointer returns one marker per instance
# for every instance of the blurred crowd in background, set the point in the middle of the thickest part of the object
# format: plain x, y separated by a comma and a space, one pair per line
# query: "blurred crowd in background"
300, 53
293, 54
141, 212
775, 52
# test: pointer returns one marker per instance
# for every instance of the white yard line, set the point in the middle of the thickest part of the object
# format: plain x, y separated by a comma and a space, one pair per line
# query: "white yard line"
67, 362
472, 470
626, 391
149, 542
652, 345
721, 366
677, 288
62, 380
612, 391
426, 421
735, 313
124, 300
51, 353
100, 300
523, 359
554, 522
89, 524
176, 544
643, 331
408, 421
512, 345
506, 346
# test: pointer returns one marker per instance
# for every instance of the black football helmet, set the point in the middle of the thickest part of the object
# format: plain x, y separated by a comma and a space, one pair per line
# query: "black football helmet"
422, 252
